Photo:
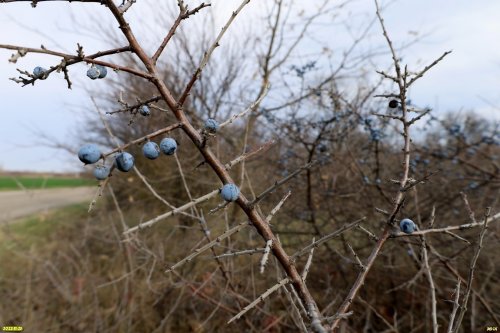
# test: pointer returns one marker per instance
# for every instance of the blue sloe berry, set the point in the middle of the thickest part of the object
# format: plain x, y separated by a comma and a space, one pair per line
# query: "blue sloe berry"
40, 73
230, 192
101, 172
393, 103
124, 161
168, 146
151, 150
407, 226
211, 125
103, 71
93, 73
89, 154
144, 110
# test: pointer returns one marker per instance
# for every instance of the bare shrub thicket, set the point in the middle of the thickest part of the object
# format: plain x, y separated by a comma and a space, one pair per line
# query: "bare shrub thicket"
326, 170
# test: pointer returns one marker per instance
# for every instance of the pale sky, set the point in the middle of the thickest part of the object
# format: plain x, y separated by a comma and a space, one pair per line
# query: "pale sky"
470, 74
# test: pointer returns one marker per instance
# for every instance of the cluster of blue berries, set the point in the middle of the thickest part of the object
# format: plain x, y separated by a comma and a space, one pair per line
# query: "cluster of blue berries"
97, 72
90, 154
94, 72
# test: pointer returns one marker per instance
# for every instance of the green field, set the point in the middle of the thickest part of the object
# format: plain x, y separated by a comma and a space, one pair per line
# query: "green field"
38, 229
18, 183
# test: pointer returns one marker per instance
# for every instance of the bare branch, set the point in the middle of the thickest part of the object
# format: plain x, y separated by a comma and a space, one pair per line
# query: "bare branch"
456, 305
281, 182
243, 252
184, 14
307, 266
209, 52
463, 307
259, 299
423, 71
207, 246
446, 229
251, 108
144, 138
265, 256
328, 237
161, 217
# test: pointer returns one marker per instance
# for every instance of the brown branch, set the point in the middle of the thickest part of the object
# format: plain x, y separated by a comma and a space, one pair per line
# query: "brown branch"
184, 14
144, 138
70, 59
136, 106
167, 38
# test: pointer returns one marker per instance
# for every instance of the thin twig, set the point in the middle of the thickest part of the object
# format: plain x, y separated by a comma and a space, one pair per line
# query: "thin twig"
463, 307
446, 229
259, 299
177, 210
207, 246
277, 207
456, 305
144, 138
280, 182
239, 253
432, 287
265, 256
209, 52
423, 71
249, 109
328, 237
358, 261
307, 266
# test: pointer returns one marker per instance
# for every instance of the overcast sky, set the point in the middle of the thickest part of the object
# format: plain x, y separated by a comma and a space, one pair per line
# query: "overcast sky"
470, 75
